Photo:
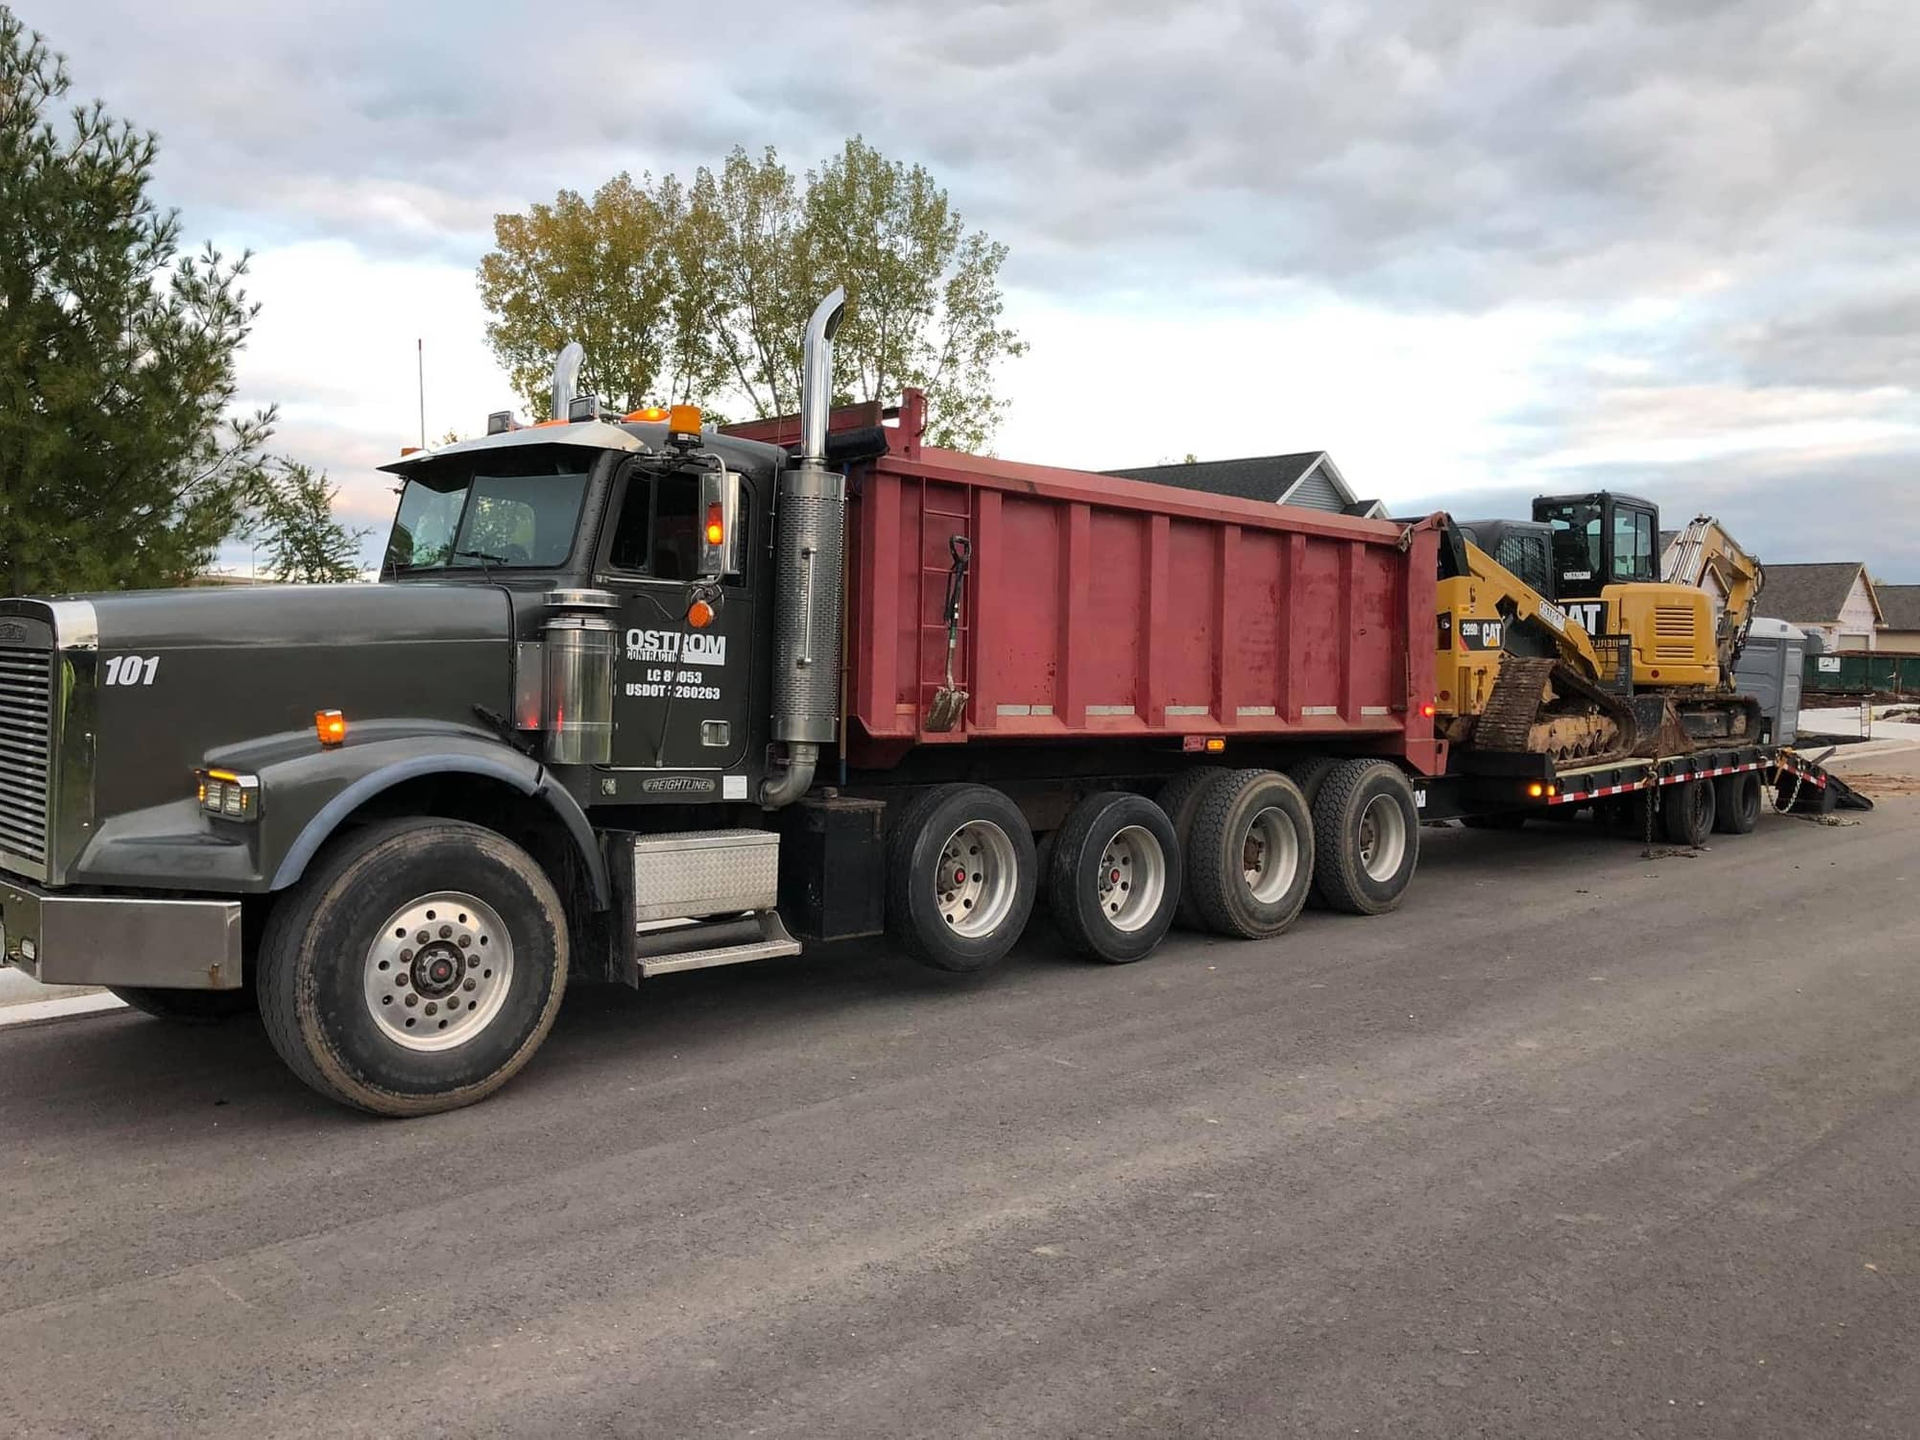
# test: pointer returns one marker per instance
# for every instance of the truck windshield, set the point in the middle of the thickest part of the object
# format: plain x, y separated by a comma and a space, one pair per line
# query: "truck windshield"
478, 512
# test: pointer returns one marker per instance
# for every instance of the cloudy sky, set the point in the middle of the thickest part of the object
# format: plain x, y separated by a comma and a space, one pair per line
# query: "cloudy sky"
1475, 250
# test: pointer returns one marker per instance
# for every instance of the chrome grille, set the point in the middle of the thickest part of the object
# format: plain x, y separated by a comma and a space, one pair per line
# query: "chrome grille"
26, 723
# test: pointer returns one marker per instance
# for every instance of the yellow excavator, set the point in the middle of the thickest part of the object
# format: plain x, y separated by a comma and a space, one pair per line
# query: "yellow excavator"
1565, 636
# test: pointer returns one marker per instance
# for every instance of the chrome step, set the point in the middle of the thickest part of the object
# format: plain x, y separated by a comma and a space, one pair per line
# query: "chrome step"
774, 941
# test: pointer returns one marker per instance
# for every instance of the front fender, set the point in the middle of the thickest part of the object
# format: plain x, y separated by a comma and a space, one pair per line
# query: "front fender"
358, 773
306, 795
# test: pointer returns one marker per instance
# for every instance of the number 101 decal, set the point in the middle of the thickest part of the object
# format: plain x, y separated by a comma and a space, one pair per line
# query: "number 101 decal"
132, 669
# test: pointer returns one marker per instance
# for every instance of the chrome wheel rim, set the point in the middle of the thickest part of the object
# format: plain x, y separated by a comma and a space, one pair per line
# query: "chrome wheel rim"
1132, 878
1270, 856
978, 875
438, 971
1383, 838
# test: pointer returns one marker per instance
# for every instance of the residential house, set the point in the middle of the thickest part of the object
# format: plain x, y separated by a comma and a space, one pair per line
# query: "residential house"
1834, 601
1900, 613
1309, 479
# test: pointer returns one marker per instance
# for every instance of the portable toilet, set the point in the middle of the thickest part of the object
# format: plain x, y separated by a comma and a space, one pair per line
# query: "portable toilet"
1769, 670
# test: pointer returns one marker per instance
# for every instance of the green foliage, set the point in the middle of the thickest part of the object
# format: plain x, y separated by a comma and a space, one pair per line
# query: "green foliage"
701, 292
293, 518
604, 272
119, 464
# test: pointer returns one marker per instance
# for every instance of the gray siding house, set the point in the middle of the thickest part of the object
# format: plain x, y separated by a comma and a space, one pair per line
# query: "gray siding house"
1308, 478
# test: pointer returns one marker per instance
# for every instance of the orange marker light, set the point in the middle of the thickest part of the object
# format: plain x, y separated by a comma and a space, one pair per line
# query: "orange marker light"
1536, 790
653, 413
716, 532
1215, 744
330, 726
1426, 712
700, 615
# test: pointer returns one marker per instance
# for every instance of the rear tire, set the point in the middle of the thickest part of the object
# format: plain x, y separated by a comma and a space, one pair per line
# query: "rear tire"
1250, 859
1115, 877
1366, 834
1687, 812
1179, 799
961, 877
339, 980
186, 1007
1737, 803
1309, 775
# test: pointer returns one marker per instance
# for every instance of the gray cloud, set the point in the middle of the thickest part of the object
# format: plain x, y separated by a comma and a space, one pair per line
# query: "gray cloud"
1743, 164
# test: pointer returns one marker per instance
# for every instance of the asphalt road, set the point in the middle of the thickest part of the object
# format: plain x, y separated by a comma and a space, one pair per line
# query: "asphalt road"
1579, 1143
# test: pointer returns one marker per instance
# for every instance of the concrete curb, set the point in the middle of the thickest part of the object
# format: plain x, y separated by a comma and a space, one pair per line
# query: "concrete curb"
67, 1007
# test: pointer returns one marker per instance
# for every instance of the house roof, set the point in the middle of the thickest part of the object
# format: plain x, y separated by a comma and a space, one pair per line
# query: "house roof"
1899, 606
1811, 594
1258, 477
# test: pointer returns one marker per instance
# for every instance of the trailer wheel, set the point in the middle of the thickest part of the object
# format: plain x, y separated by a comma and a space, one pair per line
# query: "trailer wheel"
186, 1007
1737, 803
1250, 860
961, 877
1179, 798
1687, 812
1115, 877
416, 968
1366, 832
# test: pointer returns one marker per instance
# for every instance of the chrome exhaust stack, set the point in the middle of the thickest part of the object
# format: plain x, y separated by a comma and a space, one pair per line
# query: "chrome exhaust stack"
810, 574
566, 378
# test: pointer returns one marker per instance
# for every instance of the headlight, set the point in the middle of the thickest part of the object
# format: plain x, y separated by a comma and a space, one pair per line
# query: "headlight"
229, 795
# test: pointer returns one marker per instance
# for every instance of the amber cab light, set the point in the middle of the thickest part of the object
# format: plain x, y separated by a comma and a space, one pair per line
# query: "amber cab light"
716, 531
683, 420
654, 413
330, 726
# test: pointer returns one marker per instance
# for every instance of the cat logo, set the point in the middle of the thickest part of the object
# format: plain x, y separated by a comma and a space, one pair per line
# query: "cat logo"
1589, 615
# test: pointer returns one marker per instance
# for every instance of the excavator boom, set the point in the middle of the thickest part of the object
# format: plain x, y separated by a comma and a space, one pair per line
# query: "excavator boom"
1706, 557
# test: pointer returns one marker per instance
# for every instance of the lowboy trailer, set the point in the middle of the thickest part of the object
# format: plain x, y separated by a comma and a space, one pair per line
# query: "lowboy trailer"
595, 722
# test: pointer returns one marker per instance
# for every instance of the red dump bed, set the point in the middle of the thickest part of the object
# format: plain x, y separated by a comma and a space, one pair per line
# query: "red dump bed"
1101, 607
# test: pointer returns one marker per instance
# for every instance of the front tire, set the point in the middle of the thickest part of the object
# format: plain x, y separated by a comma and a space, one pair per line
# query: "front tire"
415, 968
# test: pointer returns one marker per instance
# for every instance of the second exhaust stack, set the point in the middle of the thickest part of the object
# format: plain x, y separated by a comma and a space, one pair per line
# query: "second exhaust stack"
810, 545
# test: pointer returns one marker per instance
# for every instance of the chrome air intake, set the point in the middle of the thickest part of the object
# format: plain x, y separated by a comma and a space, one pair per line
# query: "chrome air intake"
810, 573
579, 644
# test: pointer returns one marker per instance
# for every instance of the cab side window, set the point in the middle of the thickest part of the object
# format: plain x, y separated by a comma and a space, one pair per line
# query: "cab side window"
658, 529
1632, 545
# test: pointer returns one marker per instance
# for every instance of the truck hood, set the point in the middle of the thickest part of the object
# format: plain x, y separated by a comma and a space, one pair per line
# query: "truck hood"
164, 681
333, 615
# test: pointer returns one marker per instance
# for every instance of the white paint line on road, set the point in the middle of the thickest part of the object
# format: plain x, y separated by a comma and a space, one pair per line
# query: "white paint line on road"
67, 1007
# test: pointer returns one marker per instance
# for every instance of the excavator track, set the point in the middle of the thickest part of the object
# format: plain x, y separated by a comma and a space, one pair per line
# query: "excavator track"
1513, 703
1512, 718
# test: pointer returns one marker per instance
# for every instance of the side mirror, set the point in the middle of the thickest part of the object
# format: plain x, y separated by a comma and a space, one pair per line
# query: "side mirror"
719, 514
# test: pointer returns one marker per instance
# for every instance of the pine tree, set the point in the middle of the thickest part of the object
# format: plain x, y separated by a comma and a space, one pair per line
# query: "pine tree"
120, 464
293, 519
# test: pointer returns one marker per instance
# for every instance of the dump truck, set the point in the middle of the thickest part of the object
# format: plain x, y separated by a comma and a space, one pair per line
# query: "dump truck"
635, 696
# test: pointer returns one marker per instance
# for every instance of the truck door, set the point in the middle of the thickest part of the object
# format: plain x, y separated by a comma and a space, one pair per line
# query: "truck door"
682, 694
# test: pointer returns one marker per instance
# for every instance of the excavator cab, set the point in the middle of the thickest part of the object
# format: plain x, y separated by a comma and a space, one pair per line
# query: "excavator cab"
1600, 540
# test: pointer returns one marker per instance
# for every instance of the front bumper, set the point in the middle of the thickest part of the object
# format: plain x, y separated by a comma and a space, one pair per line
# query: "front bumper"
67, 939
